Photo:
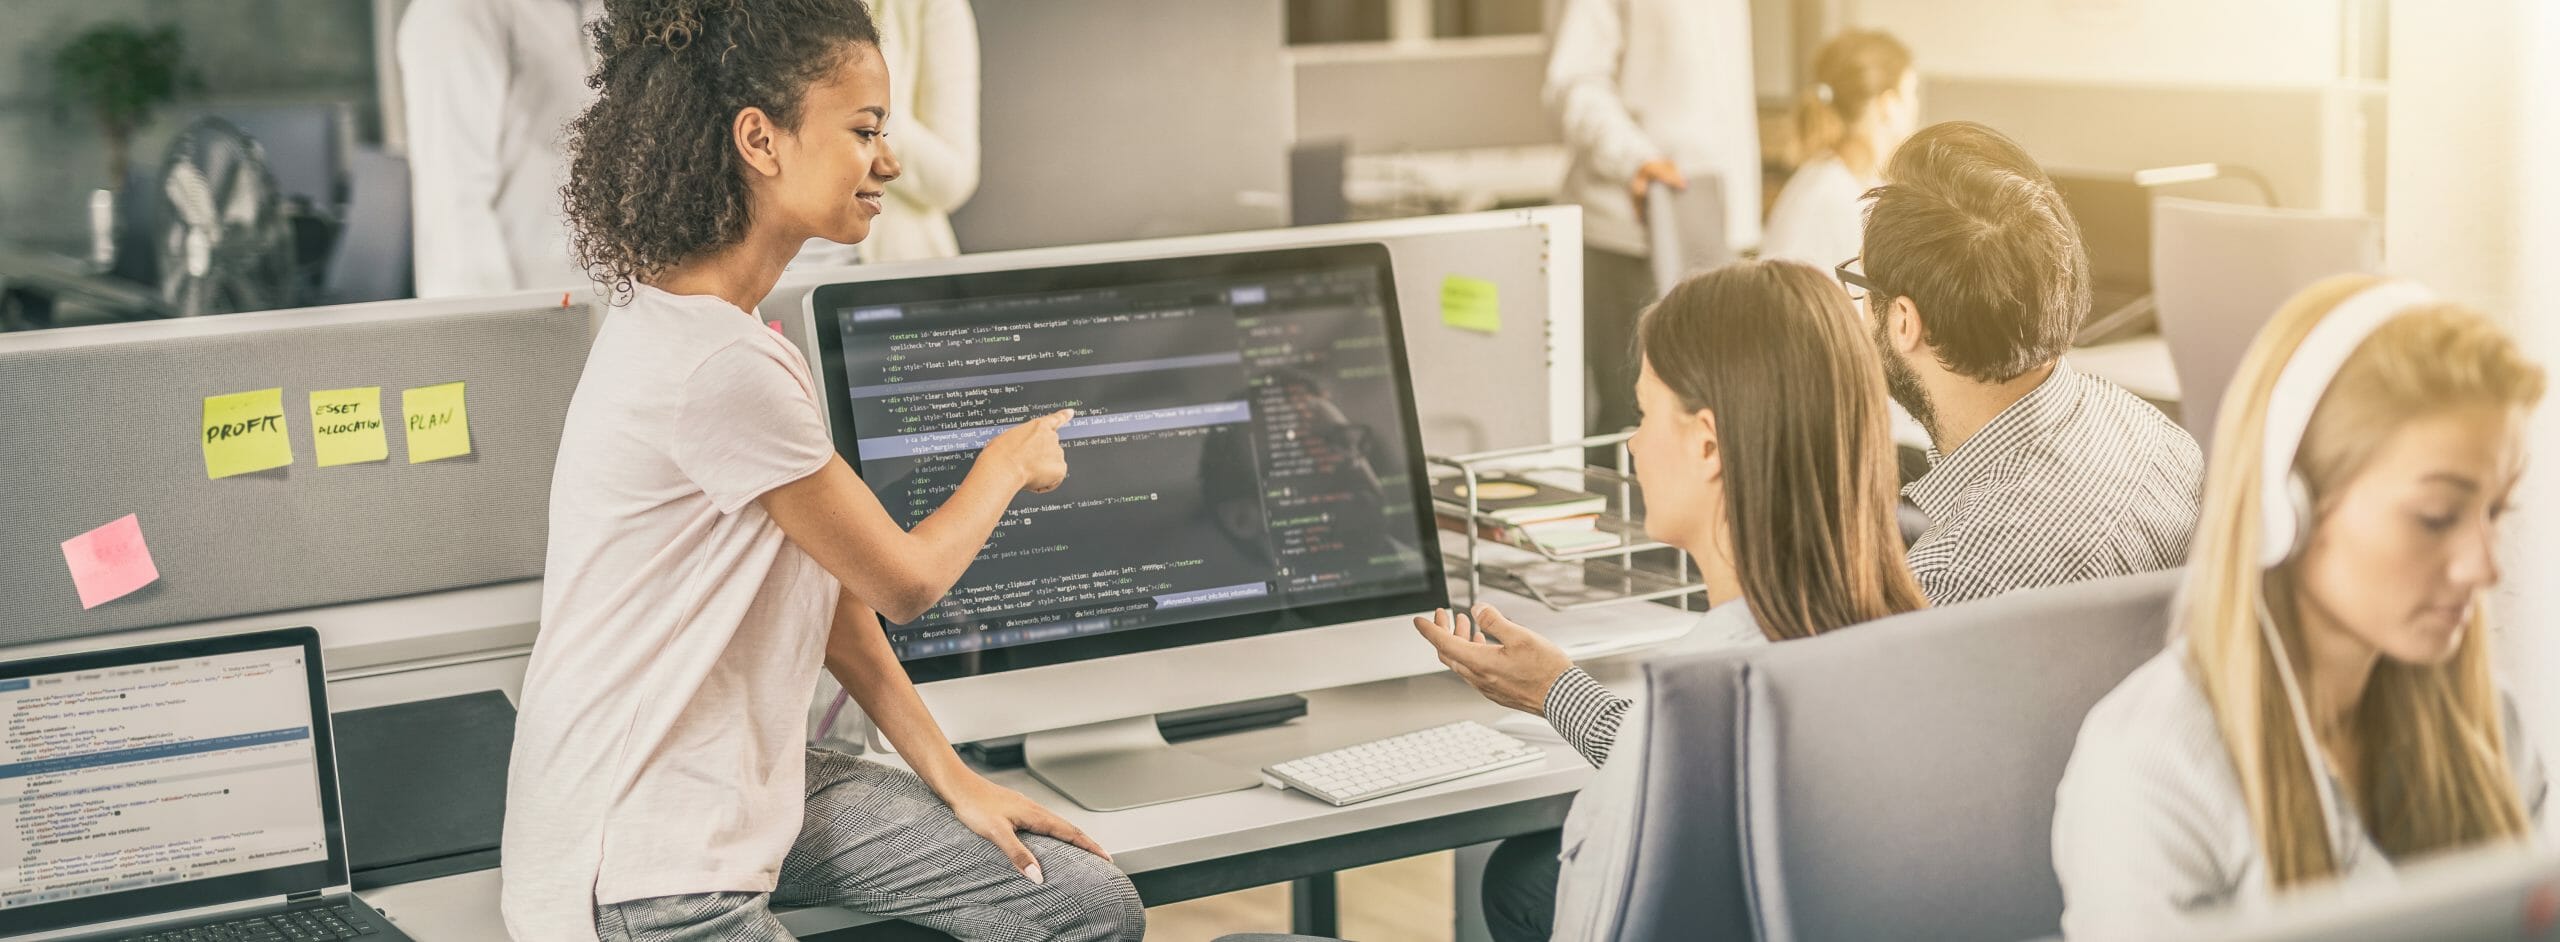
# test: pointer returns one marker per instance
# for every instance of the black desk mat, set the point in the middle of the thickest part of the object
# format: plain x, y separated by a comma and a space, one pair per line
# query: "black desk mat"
424, 785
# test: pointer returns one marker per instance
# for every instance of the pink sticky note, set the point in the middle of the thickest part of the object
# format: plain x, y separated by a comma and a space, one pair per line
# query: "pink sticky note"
108, 563
776, 325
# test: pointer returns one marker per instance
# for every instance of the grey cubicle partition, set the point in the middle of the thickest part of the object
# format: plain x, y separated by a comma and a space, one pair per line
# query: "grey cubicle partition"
106, 421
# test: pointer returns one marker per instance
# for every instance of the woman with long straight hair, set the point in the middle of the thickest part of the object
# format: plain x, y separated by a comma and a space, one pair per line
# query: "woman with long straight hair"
2326, 707
1763, 450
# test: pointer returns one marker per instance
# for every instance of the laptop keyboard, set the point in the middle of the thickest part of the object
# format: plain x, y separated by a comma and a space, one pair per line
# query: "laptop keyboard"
310, 924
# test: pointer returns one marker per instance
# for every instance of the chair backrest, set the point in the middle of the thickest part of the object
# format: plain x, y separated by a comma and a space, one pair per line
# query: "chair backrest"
2219, 270
1895, 780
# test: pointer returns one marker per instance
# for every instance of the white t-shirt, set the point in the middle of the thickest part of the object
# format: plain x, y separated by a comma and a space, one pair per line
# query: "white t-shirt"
1818, 219
658, 743
2151, 830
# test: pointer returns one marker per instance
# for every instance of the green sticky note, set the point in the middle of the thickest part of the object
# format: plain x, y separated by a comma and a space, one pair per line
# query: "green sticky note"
439, 426
245, 432
1470, 304
346, 426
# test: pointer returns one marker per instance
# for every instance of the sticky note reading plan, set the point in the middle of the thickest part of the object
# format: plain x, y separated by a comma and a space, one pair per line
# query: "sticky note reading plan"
346, 426
245, 432
108, 563
439, 427
1470, 304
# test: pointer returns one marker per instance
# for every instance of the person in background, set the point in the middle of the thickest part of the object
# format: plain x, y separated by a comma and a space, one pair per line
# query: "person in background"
1647, 91
932, 48
487, 86
1763, 452
1864, 102
2327, 707
1975, 280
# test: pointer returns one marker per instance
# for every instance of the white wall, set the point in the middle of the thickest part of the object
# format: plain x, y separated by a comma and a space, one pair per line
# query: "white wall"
2474, 212
2180, 41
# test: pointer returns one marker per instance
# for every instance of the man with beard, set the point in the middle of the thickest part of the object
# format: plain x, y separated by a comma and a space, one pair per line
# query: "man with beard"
1974, 280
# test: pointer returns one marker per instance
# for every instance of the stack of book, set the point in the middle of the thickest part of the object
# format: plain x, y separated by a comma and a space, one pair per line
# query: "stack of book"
1529, 514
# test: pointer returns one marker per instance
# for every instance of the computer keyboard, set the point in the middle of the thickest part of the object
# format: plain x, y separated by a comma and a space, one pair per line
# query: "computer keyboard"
309, 924
1404, 763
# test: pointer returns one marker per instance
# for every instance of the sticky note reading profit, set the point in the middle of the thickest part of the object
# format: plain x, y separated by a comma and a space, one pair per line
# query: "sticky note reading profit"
108, 563
438, 425
245, 432
346, 426
1470, 304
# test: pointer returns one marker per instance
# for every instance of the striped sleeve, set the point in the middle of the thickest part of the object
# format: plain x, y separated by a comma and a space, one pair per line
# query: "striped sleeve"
1586, 714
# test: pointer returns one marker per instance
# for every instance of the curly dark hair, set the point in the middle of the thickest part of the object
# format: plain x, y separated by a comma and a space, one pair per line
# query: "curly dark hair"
653, 180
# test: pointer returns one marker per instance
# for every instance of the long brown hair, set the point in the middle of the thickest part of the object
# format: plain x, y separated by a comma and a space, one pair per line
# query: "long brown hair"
2434, 772
1774, 351
1849, 72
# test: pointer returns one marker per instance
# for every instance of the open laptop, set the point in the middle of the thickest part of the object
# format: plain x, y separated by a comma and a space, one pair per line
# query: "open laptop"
181, 791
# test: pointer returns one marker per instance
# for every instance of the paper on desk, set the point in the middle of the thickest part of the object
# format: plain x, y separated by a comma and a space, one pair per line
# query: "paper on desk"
346, 426
245, 432
439, 425
1470, 304
110, 562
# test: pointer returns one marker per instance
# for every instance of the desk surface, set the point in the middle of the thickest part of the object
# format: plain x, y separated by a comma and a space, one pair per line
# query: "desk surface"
1176, 850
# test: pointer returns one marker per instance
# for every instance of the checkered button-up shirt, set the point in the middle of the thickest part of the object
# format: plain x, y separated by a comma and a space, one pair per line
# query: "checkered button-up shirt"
2078, 480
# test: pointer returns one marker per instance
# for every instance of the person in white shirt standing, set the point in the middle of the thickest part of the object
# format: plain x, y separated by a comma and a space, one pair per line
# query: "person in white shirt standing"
709, 552
1647, 91
1864, 102
488, 85
932, 48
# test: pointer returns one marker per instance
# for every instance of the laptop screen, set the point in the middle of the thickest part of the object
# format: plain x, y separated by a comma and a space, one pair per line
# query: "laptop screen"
164, 778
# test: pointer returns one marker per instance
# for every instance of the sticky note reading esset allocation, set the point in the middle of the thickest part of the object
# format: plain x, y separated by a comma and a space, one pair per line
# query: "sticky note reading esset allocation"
1470, 304
110, 562
346, 426
438, 424
245, 432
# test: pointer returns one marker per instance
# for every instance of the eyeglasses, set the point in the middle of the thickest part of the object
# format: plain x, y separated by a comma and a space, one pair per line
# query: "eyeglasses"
1854, 278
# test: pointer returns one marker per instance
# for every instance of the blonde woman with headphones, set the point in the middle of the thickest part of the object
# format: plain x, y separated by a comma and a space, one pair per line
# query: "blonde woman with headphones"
2326, 709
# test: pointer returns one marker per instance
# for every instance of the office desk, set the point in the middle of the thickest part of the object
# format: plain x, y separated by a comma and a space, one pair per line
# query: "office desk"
1202, 846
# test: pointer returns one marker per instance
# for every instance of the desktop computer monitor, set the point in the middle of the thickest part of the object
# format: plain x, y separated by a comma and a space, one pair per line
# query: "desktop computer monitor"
1244, 464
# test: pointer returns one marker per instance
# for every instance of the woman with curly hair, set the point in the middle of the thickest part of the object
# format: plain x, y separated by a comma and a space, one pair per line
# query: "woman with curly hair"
709, 552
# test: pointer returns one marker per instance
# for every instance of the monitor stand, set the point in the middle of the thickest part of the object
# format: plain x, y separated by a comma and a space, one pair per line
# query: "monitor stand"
1126, 763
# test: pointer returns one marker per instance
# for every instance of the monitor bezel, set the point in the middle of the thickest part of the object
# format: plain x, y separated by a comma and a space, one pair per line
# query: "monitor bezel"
216, 891
828, 302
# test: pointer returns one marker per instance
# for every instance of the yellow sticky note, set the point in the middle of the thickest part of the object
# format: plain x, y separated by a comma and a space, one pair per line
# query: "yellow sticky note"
1470, 304
439, 428
245, 432
346, 426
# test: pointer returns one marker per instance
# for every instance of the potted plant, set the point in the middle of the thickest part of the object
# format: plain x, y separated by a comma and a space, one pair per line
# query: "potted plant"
119, 73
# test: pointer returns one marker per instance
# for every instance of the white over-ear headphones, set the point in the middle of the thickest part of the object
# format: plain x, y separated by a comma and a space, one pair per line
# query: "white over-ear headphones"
2284, 498
2285, 508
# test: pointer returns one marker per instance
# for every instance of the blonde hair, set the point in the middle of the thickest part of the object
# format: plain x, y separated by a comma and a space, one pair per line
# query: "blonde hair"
2434, 773
1849, 72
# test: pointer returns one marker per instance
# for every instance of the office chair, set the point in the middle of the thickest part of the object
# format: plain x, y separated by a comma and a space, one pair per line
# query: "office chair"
1893, 780
1896, 779
2219, 270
